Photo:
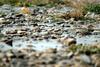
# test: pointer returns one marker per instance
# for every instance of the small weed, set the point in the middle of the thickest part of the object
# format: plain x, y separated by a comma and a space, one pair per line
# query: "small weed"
82, 7
85, 49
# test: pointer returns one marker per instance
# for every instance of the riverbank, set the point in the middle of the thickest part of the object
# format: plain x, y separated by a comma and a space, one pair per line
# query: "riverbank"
33, 40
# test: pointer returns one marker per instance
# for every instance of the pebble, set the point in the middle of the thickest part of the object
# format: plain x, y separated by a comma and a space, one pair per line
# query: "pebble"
85, 59
70, 55
2, 20
68, 41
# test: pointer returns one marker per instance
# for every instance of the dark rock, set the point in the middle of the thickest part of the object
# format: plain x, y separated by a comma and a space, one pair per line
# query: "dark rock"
19, 15
8, 41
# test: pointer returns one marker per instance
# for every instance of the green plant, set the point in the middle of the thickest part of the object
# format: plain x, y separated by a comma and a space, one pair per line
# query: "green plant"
11, 2
85, 49
50, 3
93, 8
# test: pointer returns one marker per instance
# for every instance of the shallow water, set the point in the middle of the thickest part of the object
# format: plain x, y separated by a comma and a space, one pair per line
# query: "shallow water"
4, 47
20, 43
31, 44
24, 43
91, 39
36, 45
